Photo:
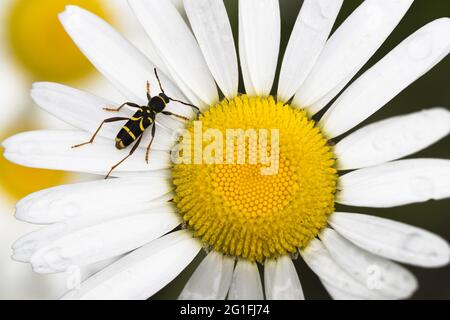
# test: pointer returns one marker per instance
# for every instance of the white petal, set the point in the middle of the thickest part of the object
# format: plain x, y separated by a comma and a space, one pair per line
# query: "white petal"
322, 102
177, 47
281, 280
259, 44
396, 183
30, 243
246, 283
320, 261
392, 240
133, 31
118, 60
88, 239
211, 26
392, 139
51, 149
85, 111
88, 271
386, 277
211, 280
338, 294
308, 38
91, 198
112, 54
349, 48
397, 70
143, 272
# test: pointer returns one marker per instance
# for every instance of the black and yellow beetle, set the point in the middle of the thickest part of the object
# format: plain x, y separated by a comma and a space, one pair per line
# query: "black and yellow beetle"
144, 118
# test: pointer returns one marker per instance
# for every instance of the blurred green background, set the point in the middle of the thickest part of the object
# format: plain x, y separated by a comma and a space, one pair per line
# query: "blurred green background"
431, 90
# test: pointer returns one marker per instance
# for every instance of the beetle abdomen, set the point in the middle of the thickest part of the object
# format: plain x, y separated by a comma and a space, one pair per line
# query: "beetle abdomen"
129, 133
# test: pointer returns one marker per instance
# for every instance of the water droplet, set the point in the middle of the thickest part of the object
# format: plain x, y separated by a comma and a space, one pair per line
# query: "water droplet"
410, 242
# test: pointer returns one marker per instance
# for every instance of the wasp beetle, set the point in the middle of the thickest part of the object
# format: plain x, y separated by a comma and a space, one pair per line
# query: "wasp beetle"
143, 119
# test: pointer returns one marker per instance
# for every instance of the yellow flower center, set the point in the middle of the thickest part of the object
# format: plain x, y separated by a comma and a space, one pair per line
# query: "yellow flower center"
39, 42
239, 209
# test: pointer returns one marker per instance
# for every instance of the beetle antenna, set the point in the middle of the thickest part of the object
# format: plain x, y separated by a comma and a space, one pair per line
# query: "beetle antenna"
159, 81
174, 100
186, 104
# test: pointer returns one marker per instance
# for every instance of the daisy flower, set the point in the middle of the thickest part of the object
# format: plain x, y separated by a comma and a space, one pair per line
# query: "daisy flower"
244, 220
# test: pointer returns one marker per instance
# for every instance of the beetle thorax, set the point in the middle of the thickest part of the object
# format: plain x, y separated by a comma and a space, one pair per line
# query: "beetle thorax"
157, 104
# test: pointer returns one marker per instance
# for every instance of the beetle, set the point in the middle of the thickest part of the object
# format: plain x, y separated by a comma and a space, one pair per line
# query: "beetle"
143, 119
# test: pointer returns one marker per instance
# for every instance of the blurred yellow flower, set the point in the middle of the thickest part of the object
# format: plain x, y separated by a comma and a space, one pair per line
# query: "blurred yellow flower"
39, 43
38, 46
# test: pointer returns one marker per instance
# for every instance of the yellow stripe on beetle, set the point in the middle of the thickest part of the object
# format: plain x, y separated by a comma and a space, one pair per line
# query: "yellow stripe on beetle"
129, 132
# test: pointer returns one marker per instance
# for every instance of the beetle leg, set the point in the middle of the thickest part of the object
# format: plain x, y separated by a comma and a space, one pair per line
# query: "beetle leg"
130, 104
136, 145
115, 119
150, 144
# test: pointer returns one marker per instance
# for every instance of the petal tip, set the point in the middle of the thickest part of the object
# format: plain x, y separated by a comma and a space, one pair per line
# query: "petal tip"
8, 142
17, 258
70, 15
21, 213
